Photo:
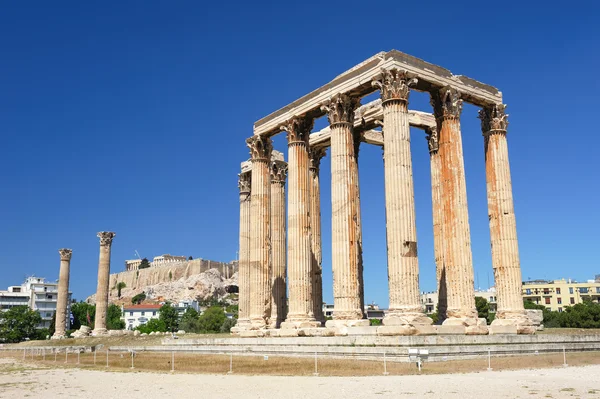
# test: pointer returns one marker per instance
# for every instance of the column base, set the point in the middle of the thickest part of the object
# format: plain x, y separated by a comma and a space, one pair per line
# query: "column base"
296, 324
406, 319
258, 324
100, 332
513, 323
470, 326
337, 323
59, 336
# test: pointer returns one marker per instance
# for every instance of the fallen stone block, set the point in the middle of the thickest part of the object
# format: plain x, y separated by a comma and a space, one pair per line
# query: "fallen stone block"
449, 329
396, 330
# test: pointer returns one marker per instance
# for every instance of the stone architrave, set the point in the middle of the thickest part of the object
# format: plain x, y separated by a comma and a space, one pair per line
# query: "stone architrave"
244, 184
457, 256
503, 227
315, 155
260, 232
300, 272
62, 299
436, 201
345, 205
403, 265
278, 266
106, 238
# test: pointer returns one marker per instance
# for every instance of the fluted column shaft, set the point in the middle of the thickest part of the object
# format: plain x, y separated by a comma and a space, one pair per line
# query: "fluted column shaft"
345, 254
299, 230
260, 232
62, 300
455, 219
315, 155
503, 228
438, 243
106, 238
278, 273
244, 252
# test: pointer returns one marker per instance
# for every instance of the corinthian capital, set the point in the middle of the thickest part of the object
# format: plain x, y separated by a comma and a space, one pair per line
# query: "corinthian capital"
244, 182
340, 109
314, 157
278, 171
65, 253
432, 139
494, 119
298, 130
260, 148
106, 238
446, 103
394, 85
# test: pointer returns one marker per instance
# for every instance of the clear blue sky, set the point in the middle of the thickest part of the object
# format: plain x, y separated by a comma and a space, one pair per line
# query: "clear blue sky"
131, 117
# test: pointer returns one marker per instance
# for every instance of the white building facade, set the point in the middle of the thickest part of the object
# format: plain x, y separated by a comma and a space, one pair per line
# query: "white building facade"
137, 315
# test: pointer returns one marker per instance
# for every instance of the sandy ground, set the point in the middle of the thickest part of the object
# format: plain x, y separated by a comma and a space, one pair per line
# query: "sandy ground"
18, 380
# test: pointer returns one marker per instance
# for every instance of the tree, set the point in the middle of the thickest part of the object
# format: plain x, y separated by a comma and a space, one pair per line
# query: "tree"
19, 323
137, 299
483, 307
189, 321
145, 264
190, 257
113, 318
120, 286
84, 314
168, 314
227, 324
152, 325
212, 319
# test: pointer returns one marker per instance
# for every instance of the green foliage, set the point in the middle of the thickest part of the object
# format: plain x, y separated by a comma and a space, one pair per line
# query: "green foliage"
483, 307
234, 309
212, 319
145, 264
152, 325
137, 299
168, 315
42, 333
227, 324
530, 305
113, 318
170, 275
375, 322
120, 286
434, 316
189, 321
581, 315
52, 327
210, 302
80, 311
18, 323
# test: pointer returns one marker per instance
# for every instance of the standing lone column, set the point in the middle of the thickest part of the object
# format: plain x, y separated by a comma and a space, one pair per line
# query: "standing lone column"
503, 227
278, 274
345, 204
436, 201
447, 107
403, 264
62, 300
106, 238
315, 155
260, 232
243, 322
300, 273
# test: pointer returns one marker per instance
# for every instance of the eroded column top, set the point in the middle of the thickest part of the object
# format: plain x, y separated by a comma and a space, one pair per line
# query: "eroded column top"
65, 253
106, 237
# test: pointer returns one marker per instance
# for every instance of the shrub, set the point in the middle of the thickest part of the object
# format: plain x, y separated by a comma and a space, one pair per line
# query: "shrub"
227, 324
212, 319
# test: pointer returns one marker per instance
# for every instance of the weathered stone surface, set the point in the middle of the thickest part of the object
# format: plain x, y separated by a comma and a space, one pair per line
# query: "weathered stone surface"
451, 329
396, 330
536, 317
136, 333
315, 155
425, 329
347, 323
371, 330
106, 238
316, 332
495, 329
244, 184
278, 171
63, 293
476, 330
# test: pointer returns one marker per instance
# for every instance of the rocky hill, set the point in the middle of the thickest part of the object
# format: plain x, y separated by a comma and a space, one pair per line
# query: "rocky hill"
175, 282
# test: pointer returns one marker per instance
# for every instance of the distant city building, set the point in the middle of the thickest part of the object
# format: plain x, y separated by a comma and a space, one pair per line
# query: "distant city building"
136, 315
372, 311
183, 306
557, 294
430, 299
162, 260
39, 295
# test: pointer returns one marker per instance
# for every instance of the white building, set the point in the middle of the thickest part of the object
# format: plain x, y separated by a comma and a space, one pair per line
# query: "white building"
430, 299
136, 315
372, 311
38, 295
183, 306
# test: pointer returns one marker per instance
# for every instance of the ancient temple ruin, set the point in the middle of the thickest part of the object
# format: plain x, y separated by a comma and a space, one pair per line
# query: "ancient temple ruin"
263, 272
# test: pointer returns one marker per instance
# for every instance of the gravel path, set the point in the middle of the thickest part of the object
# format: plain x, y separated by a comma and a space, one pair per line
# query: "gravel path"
17, 381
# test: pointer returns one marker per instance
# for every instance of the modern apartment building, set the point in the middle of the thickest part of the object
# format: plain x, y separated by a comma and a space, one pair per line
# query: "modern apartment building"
37, 293
557, 294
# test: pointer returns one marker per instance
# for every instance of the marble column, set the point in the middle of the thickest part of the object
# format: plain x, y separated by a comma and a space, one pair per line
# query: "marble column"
345, 204
278, 266
447, 107
436, 201
106, 238
62, 300
260, 232
503, 227
315, 155
403, 264
244, 184
300, 281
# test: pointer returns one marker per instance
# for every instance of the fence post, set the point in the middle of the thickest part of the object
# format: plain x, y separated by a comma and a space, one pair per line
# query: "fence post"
55, 354
230, 364
316, 373
564, 357
24, 354
94, 356
489, 360
385, 372
78, 353
107, 357
66, 355
172, 361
